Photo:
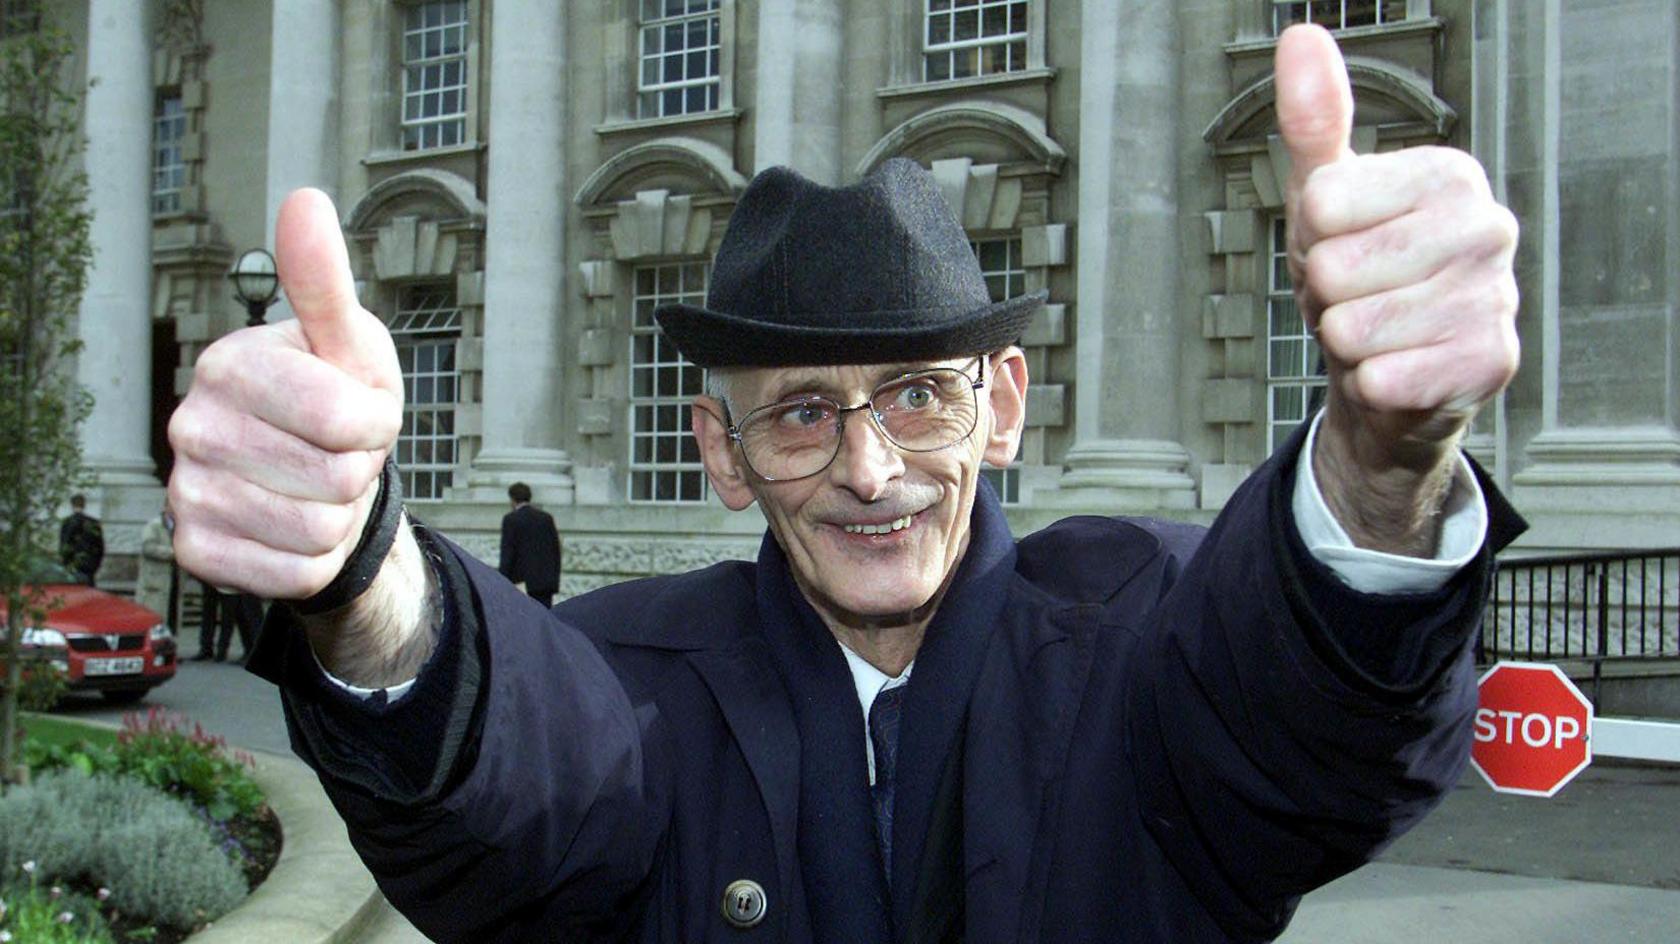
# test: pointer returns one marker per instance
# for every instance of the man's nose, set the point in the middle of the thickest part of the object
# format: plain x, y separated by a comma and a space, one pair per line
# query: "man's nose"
867, 460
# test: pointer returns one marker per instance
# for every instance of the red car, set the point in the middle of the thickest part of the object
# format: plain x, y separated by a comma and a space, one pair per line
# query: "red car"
100, 641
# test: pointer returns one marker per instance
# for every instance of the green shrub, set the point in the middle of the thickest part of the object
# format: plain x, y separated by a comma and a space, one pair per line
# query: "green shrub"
41, 685
83, 756
159, 860
160, 749
36, 915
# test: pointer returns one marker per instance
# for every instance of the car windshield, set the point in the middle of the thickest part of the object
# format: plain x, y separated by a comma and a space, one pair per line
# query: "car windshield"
44, 570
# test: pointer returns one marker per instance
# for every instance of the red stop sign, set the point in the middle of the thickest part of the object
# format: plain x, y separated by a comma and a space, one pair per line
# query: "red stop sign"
1533, 729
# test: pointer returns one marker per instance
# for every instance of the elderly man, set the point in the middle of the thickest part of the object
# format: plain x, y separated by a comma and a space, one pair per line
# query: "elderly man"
899, 723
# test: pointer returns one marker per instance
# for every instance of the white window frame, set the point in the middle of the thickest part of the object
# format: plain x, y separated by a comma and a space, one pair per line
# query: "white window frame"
426, 324
1292, 354
426, 83
1334, 14
1003, 282
169, 166
655, 22
940, 22
662, 384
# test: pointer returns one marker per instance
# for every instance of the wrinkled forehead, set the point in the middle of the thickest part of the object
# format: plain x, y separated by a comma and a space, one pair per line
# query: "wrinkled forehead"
753, 386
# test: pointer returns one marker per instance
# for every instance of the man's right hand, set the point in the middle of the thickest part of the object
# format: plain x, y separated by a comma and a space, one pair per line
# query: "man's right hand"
280, 441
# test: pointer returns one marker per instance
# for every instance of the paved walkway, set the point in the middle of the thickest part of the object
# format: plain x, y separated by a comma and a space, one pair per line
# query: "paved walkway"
1598, 862
1385, 903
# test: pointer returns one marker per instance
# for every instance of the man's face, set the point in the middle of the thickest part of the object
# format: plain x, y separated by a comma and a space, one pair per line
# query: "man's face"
874, 536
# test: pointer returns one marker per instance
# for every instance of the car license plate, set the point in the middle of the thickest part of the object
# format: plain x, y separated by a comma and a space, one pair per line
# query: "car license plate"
125, 666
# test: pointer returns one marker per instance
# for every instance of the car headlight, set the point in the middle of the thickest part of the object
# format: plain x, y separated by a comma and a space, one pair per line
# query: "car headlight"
50, 638
160, 632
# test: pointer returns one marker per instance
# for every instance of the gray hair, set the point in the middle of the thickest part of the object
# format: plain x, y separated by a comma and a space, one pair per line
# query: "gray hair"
720, 385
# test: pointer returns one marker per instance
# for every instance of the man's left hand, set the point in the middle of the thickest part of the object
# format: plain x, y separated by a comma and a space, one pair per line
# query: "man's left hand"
1402, 264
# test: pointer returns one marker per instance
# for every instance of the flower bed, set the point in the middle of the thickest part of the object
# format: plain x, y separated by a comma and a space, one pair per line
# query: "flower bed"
162, 828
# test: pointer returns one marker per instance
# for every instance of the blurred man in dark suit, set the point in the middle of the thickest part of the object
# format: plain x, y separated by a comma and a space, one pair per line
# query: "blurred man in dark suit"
530, 547
81, 541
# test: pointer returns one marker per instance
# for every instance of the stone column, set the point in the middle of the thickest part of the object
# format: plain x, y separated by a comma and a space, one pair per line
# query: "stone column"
115, 317
798, 105
1594, 115
524, 292
1126, 414
303, 79
114, 321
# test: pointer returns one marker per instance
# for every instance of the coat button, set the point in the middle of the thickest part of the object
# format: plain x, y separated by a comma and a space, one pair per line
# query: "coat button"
743, 903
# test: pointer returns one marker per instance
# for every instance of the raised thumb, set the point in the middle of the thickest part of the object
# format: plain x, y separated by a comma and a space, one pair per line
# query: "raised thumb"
315, 271
1314, 100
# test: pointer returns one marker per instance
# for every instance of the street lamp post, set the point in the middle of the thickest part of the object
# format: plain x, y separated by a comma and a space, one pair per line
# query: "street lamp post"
255, 283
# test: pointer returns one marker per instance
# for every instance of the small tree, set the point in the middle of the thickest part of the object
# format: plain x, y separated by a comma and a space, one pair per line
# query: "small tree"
45, 251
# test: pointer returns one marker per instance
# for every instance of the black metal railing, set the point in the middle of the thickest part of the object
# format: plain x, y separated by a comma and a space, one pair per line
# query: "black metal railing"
1599, 608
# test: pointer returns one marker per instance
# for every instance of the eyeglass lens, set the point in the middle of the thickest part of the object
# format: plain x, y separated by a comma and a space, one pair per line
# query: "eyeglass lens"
921, 412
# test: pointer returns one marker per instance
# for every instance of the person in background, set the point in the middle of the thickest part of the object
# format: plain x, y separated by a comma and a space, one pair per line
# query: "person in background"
530, 547
81, 541
209, 609
243, 612
155, 587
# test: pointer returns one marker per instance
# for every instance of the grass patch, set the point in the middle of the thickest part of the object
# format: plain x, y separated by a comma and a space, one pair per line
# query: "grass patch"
58, 732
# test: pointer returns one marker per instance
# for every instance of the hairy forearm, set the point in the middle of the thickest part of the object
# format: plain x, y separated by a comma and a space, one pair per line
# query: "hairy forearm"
1385, 500
384, 636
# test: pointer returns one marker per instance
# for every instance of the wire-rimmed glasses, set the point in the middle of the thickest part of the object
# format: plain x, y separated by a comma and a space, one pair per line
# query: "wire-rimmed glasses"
922, 411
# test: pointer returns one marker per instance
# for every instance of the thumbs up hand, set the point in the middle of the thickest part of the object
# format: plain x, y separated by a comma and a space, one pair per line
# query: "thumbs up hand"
280, 441
1402, 265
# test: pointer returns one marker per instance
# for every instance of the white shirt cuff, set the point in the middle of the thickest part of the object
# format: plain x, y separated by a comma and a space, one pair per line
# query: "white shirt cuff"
1464, 521
392, 693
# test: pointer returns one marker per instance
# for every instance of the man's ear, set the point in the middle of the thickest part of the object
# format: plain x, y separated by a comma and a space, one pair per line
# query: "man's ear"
1006, 386
718, 454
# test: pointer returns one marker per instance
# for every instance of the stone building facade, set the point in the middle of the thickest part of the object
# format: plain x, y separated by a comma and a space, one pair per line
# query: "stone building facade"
522, 181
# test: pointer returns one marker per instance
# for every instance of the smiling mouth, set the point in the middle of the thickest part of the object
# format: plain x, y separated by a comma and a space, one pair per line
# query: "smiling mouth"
896, 525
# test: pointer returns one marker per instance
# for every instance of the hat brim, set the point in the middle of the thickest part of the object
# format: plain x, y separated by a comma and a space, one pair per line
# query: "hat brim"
714, 339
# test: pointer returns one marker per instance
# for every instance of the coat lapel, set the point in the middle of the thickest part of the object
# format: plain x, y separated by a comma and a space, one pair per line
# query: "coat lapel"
1020, 730
748, 690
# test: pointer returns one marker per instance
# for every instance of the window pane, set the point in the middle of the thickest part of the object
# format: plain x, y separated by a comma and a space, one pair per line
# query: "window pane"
664, 462
965, 25
434, 74
939, 29
1288, 403
426, 328
679, 59
1294, 363
963, 63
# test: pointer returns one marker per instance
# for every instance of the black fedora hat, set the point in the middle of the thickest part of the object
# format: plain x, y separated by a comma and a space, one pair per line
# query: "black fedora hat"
875, 272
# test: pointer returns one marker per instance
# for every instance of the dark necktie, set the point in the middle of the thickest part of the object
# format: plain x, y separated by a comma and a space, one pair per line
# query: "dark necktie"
883, 735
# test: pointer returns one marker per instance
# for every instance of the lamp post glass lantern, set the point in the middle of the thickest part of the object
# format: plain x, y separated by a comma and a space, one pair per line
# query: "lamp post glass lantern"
255, 283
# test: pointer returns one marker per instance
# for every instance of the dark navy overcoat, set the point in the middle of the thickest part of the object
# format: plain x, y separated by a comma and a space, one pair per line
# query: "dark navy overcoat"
1117, 730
